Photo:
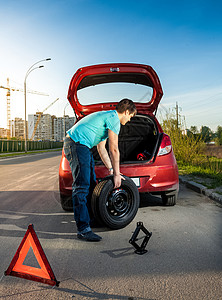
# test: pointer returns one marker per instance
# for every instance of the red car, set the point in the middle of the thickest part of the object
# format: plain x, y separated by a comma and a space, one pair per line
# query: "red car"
146, 154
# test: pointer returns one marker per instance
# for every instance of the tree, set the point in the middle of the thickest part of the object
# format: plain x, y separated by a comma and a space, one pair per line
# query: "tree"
169, 124
194, 129
206, 134
219, 135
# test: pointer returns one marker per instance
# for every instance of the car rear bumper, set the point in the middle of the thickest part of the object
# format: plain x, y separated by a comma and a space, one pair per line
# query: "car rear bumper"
149, 177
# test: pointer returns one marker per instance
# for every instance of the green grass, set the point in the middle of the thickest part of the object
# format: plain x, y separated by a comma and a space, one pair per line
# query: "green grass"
11, 154
209, 172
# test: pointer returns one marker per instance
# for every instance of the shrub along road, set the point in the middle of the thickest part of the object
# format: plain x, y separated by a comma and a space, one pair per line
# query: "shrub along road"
184, 253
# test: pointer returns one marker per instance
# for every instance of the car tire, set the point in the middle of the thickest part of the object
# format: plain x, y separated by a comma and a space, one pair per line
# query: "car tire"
66, 202
169, 200
115, 208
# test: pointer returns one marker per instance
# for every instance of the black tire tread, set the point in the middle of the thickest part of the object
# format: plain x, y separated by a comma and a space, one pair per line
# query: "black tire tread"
95, 202
169, 200
98, 203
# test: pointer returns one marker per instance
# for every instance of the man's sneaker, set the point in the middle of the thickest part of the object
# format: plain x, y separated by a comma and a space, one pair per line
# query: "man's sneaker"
89, 236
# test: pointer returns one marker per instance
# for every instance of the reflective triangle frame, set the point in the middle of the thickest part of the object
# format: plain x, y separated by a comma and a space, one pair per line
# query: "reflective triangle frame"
17, 269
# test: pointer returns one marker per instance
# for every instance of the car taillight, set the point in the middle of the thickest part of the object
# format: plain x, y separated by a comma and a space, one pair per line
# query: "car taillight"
65, 165
165, 146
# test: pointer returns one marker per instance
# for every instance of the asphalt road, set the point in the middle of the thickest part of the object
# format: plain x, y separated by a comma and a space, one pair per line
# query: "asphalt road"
184, 258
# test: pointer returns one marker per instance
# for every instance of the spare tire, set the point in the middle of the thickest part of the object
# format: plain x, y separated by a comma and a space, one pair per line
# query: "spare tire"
115, 208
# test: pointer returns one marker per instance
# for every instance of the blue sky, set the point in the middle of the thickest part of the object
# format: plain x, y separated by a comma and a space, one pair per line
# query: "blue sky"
181, 40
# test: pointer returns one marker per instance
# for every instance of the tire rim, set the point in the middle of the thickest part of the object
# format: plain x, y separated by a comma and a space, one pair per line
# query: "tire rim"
119, 202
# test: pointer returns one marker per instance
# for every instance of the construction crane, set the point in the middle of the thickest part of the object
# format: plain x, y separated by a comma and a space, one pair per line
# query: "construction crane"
8, 96
39, 118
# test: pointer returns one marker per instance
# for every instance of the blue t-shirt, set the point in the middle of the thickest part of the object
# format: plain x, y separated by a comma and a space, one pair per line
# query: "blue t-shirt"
93, 129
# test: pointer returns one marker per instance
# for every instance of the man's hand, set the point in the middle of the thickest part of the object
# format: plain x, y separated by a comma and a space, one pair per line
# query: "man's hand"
117, 180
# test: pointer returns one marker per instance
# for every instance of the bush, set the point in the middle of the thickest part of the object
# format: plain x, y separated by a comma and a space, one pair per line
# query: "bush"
188, 149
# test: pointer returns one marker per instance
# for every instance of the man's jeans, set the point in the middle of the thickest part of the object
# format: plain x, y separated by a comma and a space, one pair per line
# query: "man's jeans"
84, 180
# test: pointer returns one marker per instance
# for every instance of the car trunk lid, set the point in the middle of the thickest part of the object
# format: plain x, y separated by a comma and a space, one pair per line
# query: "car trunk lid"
136, 75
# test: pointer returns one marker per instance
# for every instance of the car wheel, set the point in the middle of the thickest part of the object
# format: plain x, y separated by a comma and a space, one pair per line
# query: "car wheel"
169, 200
116, 208
66, 202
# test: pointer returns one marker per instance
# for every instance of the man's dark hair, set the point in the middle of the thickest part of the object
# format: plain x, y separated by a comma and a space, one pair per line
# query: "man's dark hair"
126, 104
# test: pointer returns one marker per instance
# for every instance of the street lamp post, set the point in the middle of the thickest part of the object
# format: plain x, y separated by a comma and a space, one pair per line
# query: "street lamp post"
64, 119
27, 73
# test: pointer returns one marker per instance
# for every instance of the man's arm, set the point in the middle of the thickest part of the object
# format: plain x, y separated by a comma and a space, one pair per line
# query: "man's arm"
101, 147
114, 155
115, 158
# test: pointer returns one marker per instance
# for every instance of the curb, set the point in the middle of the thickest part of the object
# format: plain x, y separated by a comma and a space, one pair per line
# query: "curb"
201, 189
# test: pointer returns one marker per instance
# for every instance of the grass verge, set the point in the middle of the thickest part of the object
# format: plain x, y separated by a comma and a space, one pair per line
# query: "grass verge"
208, 173
11, 154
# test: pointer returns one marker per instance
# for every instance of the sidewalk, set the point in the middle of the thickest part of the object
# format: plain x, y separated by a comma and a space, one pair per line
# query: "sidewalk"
202, 189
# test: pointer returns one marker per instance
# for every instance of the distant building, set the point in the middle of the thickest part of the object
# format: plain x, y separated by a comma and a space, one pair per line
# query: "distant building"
49, 127
61, 125
4, 133
17, 128
32, 119
44, 128
58, 129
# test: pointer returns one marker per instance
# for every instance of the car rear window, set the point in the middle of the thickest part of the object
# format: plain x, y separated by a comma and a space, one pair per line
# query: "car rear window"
114, 92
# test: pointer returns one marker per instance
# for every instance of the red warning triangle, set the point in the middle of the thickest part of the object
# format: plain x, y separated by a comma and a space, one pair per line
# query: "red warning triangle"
18, 269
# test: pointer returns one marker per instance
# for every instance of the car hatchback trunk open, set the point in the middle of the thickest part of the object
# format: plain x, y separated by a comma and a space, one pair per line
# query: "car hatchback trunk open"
139, 136
147, 161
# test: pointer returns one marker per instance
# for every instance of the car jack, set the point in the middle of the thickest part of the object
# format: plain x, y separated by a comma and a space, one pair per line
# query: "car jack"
140, 249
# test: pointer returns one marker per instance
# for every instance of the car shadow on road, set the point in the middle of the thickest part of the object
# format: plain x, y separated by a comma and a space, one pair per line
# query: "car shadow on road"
44, 211
147, 200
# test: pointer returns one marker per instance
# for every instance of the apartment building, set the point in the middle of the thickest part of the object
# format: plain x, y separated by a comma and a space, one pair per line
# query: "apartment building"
4, 133
49, 127
61, 125
44, 129
17, 128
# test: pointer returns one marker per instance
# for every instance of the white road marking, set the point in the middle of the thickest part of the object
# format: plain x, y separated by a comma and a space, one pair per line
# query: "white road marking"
13, 217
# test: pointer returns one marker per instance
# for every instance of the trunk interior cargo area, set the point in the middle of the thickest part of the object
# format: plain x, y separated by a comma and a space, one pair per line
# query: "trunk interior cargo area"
140, 135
